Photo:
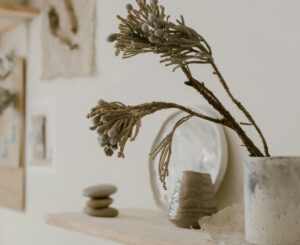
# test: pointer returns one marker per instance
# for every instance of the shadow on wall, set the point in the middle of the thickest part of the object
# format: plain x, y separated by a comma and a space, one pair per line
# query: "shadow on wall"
231, 190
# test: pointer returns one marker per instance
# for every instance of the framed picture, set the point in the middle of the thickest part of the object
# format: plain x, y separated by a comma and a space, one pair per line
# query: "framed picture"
42, 136
12, 119
39, 151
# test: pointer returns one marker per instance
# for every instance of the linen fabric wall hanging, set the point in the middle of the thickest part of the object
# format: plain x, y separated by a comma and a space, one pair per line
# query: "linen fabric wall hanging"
68, 38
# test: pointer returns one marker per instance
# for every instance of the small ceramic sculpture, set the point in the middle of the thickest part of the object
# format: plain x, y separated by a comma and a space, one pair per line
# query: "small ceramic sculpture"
99, 202
194, 198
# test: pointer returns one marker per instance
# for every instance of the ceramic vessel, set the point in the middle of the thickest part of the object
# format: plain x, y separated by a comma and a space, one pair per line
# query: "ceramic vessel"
198, 145
272, 200
194, 198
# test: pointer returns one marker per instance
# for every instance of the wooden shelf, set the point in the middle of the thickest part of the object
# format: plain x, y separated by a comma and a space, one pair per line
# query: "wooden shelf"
132, 227
12, 14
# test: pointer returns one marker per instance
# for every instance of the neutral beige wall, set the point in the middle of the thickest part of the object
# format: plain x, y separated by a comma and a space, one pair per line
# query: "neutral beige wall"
255, 43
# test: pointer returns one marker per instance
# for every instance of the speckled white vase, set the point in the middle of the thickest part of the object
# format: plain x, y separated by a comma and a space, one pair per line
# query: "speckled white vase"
272, 200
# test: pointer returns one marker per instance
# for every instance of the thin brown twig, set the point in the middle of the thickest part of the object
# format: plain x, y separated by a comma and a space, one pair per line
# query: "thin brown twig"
165, 148
240, 106
217, 105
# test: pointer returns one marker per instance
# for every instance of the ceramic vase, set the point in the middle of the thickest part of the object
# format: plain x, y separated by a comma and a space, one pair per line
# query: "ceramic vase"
272, 200
193, 198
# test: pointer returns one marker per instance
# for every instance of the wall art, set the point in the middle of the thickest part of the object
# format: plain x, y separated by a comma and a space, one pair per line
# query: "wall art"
42, 136
12, 117
12, 136
68, 38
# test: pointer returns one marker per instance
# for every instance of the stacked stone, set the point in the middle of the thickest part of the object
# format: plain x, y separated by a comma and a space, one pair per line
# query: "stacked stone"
99, 202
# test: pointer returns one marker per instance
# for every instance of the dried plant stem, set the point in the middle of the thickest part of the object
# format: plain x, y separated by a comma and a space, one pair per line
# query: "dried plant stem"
165, 148
228, 119
147, 29
240, 106
156, 106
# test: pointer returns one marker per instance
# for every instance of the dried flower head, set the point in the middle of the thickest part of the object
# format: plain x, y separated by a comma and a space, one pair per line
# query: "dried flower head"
129, 7
148, 29
115, 124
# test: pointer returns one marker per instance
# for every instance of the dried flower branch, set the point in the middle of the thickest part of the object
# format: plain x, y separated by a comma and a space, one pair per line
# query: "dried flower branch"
116, 123
149, 30
6, 98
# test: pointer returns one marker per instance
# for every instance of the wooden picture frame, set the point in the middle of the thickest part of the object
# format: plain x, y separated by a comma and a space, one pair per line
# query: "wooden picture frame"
12, 178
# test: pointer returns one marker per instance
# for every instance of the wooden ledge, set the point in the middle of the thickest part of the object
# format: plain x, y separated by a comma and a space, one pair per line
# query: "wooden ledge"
132, 227
12, 14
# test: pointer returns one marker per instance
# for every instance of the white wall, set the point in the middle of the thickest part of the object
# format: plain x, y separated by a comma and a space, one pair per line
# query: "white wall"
255, 43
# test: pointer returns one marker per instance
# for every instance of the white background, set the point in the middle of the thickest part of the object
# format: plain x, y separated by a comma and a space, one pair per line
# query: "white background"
255, 44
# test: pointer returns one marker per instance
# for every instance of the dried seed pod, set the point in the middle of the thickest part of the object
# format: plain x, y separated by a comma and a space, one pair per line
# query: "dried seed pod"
145, 27
108, 151
112, 132
113, 140
152, 18
158, 32
96, 120
102, 102
112, 37
101, 130
129, 7
159, 23
152, 39
104, 138
101, 143
154, 2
